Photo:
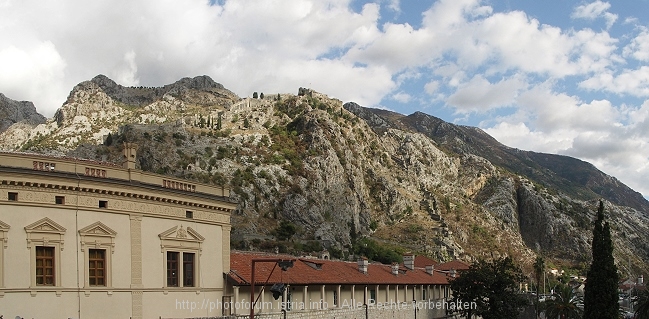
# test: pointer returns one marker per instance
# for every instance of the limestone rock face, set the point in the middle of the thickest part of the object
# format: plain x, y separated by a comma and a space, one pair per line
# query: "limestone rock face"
12, 112
342, 172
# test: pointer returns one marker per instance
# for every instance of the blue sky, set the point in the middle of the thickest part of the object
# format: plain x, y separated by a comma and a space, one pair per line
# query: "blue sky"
563, 77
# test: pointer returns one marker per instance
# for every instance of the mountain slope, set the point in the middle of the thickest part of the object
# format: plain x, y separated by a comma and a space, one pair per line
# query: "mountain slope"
334, 175
569, 175
12, 112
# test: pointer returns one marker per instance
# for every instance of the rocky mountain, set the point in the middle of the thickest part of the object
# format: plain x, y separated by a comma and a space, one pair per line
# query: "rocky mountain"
12, 112
309, 172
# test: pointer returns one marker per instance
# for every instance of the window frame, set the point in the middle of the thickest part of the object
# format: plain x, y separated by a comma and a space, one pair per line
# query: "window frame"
44, 267
182, 241
47, 233
93, 259
98, 236
175, 262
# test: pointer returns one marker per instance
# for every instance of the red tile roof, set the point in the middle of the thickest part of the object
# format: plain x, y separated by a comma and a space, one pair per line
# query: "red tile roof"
318, 271
454, 264
423, 261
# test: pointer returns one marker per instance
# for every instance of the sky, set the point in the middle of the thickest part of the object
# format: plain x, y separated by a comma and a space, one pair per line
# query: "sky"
555, 76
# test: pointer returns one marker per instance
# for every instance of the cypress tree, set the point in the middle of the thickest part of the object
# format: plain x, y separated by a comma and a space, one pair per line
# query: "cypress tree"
600, 295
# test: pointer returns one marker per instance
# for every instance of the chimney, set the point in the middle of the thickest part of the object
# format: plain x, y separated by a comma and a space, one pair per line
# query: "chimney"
641, 280
430, 269
453, 273
409, 261
130, 150
362, 265
395, 269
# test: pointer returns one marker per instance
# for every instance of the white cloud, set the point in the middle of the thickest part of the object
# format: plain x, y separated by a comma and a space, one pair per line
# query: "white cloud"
614, 138
629, 81
402, 97
394, 5
33, 73
479, 94
639, 46
595, 10
127, 73
244, 45
431, 87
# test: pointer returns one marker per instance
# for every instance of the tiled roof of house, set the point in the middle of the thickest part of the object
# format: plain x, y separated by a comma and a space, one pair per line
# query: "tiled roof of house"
423, 261
318, 271
454, 264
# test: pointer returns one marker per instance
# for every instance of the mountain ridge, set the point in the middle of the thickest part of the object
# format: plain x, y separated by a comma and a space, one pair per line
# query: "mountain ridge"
345, 172
585, 178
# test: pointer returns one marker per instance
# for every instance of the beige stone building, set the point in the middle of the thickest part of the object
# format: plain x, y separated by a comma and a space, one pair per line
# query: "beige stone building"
81, 239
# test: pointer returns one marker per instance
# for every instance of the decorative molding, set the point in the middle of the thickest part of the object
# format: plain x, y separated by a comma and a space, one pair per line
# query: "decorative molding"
97, 234
4, 228
136, 304
136, 251
55, 188
179, 237
44, 231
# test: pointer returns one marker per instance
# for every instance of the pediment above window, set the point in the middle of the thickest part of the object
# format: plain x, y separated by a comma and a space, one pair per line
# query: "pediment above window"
98, 236
45, 232
181, 238
97, 229
45, 225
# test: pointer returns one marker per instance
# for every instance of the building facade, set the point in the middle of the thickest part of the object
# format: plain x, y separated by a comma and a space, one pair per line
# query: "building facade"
322, 288
82, 239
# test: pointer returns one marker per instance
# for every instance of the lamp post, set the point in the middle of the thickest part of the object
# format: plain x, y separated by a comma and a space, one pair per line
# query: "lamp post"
284, 264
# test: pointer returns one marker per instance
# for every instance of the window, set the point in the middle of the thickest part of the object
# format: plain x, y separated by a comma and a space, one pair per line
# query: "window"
44, 266
59, 200
98, 245
188, 269
372, 296
335, 298
103, 204
181, 250
12, 196
189, 214
97, 267
175, 268
45, 240
172, 269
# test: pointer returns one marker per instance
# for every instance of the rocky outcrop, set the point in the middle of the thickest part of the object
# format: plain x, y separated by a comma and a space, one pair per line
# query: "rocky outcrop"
12, 112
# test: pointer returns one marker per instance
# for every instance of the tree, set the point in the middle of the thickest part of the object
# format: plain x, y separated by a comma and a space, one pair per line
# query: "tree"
285, 230
600, 295
254, 95
539, 269
261, 95
642, 310
493, 287
109, 140
564, 304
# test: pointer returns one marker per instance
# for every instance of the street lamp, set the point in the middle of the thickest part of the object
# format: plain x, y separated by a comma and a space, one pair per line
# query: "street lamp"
283, 264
